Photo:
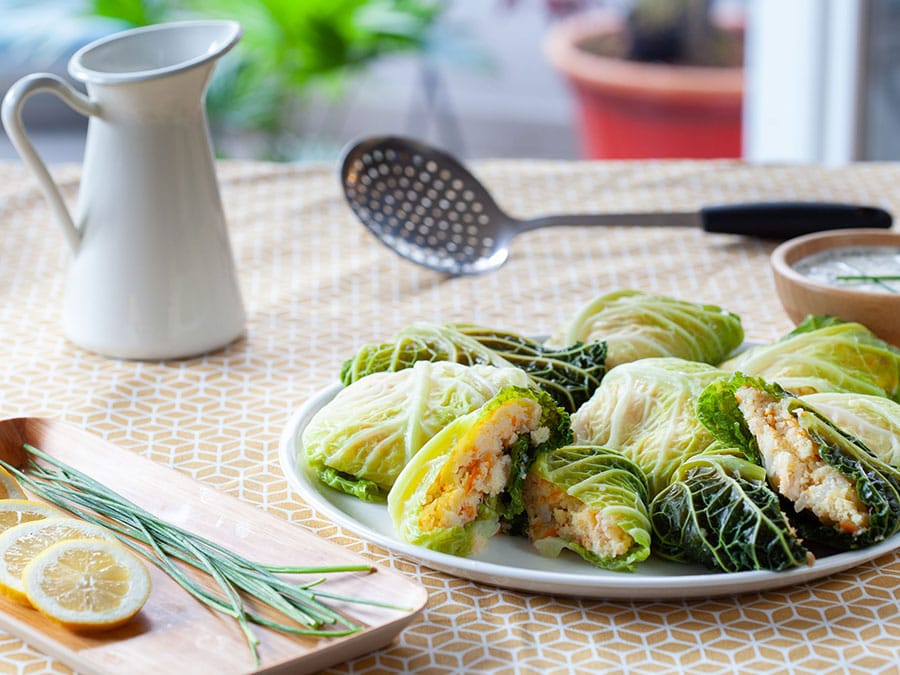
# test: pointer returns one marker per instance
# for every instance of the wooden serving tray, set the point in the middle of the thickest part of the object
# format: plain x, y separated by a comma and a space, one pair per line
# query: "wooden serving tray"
174, 632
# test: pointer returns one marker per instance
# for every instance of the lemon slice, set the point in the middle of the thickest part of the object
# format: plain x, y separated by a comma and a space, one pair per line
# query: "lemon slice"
17, 511
87, 584
9, 486
20, 544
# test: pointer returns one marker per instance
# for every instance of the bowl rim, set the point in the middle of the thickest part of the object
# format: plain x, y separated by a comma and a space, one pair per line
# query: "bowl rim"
782, 264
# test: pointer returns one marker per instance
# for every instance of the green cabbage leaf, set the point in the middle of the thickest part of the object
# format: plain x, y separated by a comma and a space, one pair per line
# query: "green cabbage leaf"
636, 325
570, 374
646, 411
824, 354
360, 441
609, 484
874, 420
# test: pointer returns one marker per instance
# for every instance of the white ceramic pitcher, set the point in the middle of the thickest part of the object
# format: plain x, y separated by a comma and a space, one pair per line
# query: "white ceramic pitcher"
152, 276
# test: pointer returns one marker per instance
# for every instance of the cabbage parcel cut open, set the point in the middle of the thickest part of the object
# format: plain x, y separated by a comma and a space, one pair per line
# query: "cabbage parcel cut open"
469, 477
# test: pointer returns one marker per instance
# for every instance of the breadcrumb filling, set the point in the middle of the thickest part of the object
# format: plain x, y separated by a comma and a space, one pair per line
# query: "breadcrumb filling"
552, 512
480, 469
794, 467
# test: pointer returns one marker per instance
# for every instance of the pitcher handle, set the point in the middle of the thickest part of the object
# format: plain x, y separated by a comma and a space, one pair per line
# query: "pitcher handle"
12, 121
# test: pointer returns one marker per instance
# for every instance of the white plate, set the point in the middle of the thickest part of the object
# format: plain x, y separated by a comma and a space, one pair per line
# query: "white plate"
512, 562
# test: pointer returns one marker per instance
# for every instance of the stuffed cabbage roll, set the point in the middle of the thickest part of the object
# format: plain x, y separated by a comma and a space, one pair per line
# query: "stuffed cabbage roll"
824, 354
635, 325
592, 501
874, 420
720, 512
646, 410
842, 494
360, 441
570, 374
454, 492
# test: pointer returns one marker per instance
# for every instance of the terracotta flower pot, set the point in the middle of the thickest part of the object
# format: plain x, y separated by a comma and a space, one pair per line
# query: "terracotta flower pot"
629, 109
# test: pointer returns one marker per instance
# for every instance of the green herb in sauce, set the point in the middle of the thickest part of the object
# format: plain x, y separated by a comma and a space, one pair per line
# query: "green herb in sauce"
867, 268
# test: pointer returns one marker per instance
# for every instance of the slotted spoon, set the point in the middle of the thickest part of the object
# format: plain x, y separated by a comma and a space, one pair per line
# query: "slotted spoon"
425, 205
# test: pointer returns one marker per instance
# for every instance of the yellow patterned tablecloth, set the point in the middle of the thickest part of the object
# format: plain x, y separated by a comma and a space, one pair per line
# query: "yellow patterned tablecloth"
317, 285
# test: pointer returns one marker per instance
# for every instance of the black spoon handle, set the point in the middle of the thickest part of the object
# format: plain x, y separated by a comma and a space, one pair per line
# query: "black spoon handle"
766, 220
785, 220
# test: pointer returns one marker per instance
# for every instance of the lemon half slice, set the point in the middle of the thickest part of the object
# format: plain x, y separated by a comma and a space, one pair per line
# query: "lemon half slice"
9, 486
17, 511
87, 584
20, 544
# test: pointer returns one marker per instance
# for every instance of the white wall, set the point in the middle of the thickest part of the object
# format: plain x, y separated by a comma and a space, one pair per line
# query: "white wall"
880, 122
804, 62
823, 81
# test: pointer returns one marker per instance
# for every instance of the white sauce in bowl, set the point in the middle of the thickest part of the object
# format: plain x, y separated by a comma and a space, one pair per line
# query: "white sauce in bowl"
830, 265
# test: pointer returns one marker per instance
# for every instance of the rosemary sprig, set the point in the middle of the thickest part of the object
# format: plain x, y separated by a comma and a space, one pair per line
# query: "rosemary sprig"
163, 543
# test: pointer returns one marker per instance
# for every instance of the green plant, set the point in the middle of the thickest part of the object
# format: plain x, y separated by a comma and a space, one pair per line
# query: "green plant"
289, 48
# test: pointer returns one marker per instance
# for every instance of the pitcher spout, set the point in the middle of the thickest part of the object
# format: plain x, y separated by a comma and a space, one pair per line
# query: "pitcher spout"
154, 51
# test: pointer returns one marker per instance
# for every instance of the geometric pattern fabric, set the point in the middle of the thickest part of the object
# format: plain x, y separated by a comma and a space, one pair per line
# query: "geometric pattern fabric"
316, 285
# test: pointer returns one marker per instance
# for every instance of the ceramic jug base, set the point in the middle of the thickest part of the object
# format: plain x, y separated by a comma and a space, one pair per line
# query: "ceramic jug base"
138, 352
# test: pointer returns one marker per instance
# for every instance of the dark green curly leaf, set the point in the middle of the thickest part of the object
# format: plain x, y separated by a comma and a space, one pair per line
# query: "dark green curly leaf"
725, 519
569, 374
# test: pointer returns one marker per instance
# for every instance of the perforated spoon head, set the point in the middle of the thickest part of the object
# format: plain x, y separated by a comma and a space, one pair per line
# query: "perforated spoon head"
425, 205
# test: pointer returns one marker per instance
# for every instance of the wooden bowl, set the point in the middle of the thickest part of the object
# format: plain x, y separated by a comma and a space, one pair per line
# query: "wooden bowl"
800, 295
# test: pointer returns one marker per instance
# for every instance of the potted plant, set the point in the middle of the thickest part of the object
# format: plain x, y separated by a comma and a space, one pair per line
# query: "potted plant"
663, 79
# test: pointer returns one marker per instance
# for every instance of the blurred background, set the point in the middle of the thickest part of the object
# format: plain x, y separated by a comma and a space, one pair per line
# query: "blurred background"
764, 80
